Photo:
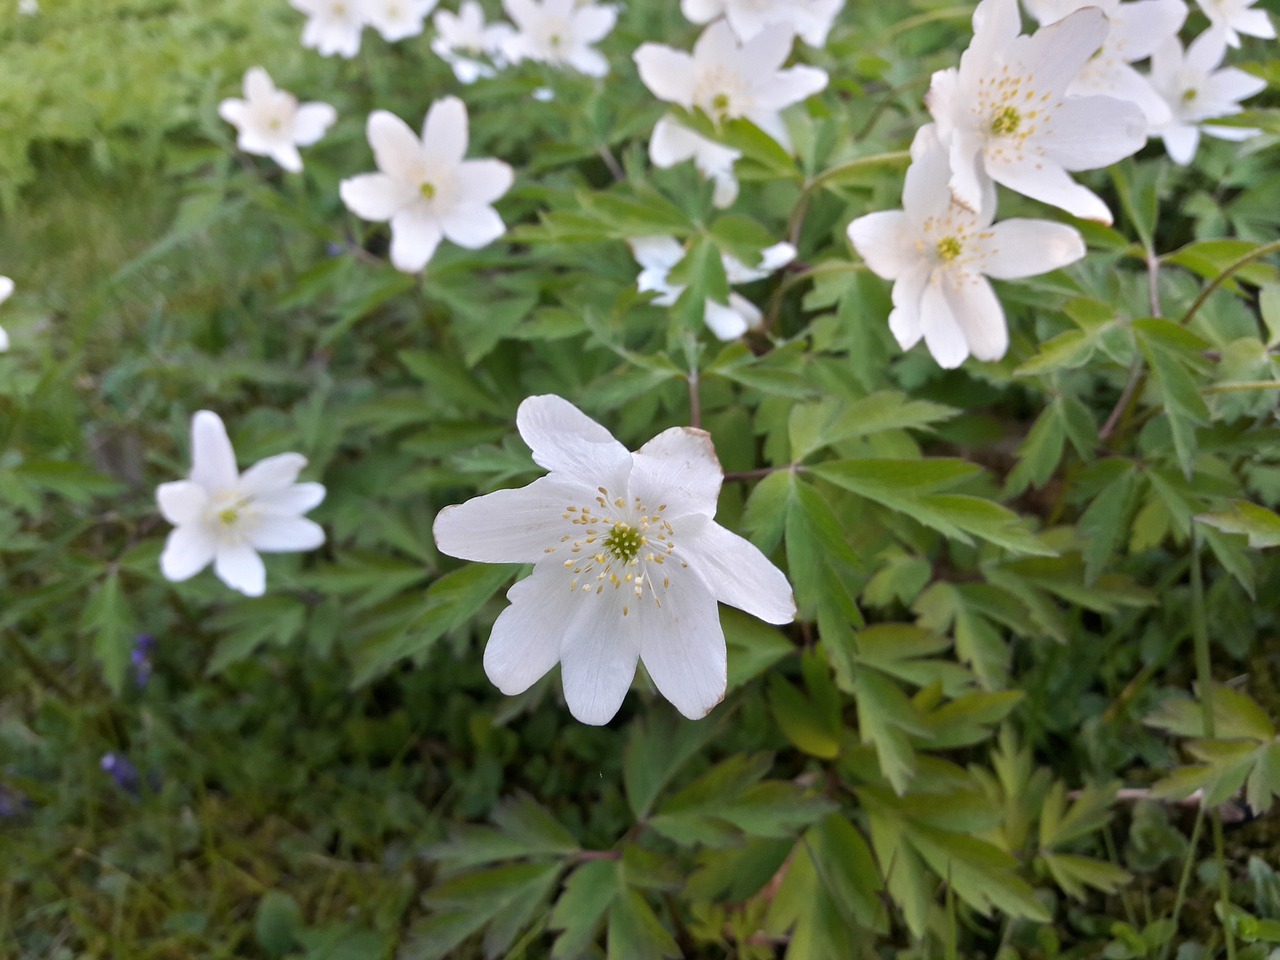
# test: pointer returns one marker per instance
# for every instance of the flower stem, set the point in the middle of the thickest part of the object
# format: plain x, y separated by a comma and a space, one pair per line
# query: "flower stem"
1232, 268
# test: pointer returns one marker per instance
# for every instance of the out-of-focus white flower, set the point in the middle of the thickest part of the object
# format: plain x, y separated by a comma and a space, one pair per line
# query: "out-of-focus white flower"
628, 564
726, 79
559, 32
1234, 17
333, 26
939, 254
810, 19
672, 142
1004, 113
1196, 90
271, 123
657, 257
396, 19
6, 291
1136, 30
467, 44
226, 517
425, 187
28, 8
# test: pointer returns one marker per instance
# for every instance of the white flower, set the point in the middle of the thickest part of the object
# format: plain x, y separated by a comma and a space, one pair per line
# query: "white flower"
1136, 29
559, 32
939, 254
1004, 114
657, 256
1234, 17
628, 564
425, 187
228, 517
1196, 91
672, 142
333, 26
271, 123
463, 39
6, 291
396, 19
28, 8
810, 19
726, 79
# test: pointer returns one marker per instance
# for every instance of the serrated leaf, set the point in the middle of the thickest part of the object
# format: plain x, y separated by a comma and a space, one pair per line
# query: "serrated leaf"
1259, 524
108, 621
658, 745
635, 931
523, 829
1076, 874
249, 624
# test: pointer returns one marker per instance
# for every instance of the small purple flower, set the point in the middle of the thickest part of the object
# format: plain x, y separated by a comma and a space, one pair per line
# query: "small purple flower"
13, 802
141, 658
122, 771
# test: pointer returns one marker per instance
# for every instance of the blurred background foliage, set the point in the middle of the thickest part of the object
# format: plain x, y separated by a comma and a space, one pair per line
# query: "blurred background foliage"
1000, 576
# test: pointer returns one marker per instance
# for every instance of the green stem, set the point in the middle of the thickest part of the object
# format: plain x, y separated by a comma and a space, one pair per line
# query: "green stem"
1231, 269
893, 158
1184, 881
1243, 386
38, 667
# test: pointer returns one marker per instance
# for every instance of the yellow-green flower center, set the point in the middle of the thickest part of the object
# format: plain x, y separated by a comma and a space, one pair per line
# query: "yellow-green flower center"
229, 516
1006, 121
624, 542
949, 248
428, 190
720, 104
1190, 94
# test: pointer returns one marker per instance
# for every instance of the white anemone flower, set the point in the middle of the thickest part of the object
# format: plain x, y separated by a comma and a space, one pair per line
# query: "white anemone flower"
672, 143
939, 254
397, 19
469, 45
425, 187
727, 79
333, 26
271, 123
1136, 30
1196, 90
559, 32
628, 564
810, 19
226, 517
1004, 114
1234, 17
6, 291
657, 257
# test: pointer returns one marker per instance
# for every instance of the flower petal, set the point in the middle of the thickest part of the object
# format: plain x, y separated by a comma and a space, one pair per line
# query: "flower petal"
737, 573
886, 242
682, 646
598, 657
396, 149
1025, 248
273, 534
731, 321
187, 551
978, 314
1092, 132
668, 73
904, 320
240, 568
444, 131
525, 641
483, 181
1043, 180
213, 461
292, 501
677, 470
415, 234
563, 438
376, 196
523, 525
272, 474
311, 121
942, 333
182, 501
472, 225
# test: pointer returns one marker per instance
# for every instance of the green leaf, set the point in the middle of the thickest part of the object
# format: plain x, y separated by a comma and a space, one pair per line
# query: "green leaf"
811, 722
658, 745
634, 930
580, 911
625, 216
247, 625
109, 622
522, 829
885, 718
1259, 524
1172, 352
1105, 523
1076, 874
277, 923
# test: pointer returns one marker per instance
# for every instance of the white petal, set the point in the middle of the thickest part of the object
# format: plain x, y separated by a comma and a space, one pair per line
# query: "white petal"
726, 189
291, 501
182, 501
240, 568
591, 24
483, 181
737, 573
257, 85
395, 148
415, 234
1047, 182
272, 474
512, 526
4, 340
1092, 132
376, 196
234, 111
668, 73
213, 461
311, 121
701, 11
590, 62
978, 314
565, 439
187, 551
525, 642
786, 87
886, 241
472, 225
904, 320
942, 333
285, 154
671, 143
1181, 142
598, 657
1058, 52
728, 322
656, 253
6, 288
682, 646
444, 131
285, 534
1025, 248
677, 470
